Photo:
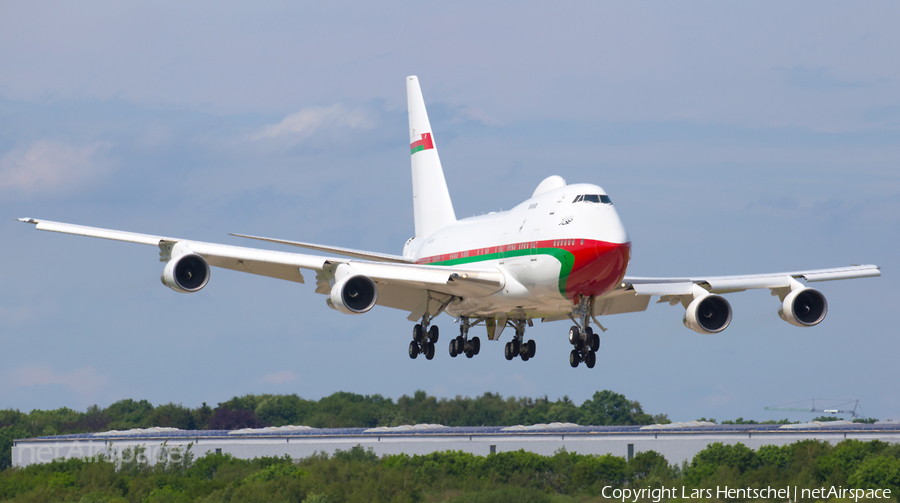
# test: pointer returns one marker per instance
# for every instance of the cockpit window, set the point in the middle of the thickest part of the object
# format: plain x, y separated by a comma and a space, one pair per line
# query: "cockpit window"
593, 198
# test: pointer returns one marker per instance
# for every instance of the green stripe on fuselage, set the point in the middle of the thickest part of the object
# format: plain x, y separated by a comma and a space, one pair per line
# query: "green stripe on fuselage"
419, 148
566, 261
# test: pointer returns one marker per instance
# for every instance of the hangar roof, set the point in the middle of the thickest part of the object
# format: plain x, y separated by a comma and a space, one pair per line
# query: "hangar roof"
692, 427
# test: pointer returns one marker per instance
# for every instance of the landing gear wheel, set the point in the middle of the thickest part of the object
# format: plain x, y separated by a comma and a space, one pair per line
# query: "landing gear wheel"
460, 345
429, 350
418, 333
470, 352
476, 345
433, 333
515, 347
590, 360
507, 351
453, 351
530, 349
574, 358
574, 335
413, 349
594, 343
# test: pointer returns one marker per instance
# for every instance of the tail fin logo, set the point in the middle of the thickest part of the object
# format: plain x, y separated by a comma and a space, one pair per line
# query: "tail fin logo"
424, 143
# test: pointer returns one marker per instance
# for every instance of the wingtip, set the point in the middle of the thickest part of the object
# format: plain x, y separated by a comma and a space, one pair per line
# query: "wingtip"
28, 220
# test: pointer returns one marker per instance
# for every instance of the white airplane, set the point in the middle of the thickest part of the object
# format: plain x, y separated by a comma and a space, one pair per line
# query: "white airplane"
560, 255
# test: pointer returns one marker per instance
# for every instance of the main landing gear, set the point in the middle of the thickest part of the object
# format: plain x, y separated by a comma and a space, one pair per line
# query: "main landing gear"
586, 346
517, 346
424, 339
585, 341
462, 344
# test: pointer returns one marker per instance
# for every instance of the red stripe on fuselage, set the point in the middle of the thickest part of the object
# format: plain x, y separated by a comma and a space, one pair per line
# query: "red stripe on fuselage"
597, 268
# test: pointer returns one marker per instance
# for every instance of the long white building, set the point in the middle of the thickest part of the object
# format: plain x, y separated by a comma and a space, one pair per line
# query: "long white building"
677, 442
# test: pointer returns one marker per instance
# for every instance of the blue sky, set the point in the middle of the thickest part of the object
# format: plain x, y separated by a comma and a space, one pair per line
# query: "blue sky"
733, 138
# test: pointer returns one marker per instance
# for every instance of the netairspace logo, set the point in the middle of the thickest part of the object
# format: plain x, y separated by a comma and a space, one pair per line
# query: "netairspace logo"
744, 493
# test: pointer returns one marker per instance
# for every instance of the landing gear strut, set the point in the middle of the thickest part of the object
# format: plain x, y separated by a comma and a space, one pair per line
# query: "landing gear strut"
424, 337
585, 341
462, 344
518, 346
423, 341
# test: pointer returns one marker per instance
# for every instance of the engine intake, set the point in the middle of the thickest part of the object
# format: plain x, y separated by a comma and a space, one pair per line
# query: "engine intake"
353, 294
709, 314
187, 273
804, 307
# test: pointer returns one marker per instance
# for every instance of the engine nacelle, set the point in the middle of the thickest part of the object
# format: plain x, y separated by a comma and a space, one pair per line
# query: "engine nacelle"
804, 307
353, 293
186, 273
709, 314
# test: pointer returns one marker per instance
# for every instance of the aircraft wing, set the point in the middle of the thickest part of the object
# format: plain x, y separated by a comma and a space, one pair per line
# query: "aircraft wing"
727, 284
375, 257
634, 293
405, 284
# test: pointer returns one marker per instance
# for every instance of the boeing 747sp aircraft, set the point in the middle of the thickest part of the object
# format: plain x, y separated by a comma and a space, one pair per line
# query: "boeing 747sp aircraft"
560, 255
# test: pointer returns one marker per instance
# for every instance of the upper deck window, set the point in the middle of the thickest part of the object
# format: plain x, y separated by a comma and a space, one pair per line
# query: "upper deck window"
593, 198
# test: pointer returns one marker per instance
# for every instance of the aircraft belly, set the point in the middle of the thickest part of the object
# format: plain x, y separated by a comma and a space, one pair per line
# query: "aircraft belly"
532, 289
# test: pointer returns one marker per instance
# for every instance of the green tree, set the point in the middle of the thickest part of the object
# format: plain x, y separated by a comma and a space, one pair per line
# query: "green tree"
708, 462
173, 416
280, 410
127, 414
882, 472
608, 408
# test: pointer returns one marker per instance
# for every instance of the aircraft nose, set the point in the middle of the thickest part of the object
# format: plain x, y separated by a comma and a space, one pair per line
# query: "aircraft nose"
612, 232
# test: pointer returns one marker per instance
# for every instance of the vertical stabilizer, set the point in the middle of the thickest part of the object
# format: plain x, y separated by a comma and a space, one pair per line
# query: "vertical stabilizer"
431, 199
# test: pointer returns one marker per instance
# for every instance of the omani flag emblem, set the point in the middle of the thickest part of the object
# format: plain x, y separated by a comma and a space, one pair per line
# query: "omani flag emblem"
423, 144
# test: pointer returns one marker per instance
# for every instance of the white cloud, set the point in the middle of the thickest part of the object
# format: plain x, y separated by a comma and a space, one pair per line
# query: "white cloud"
85, 381
46, 166
307, 121
280, 377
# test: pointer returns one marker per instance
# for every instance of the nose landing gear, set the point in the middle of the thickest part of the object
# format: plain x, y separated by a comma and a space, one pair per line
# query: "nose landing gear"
586, 343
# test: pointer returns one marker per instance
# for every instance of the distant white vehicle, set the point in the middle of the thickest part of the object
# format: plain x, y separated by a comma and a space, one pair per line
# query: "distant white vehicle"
560, 255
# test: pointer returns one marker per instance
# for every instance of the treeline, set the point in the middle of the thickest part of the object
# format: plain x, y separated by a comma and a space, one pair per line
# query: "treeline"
359, 475
340, 410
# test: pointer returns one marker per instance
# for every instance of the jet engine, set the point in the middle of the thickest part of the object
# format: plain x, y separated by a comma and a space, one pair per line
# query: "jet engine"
709, 314
804, 307
186, 273
353, 293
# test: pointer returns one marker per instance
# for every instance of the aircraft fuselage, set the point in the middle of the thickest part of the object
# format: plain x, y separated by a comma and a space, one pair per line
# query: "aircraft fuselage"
553, 248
